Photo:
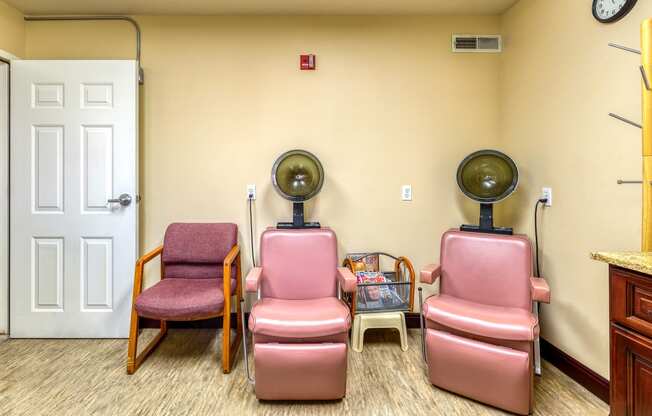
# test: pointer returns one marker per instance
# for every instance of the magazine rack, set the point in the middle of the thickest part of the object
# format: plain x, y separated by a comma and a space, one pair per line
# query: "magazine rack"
394, 294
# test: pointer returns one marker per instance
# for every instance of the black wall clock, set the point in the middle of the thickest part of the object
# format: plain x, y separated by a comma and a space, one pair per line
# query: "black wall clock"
608, 11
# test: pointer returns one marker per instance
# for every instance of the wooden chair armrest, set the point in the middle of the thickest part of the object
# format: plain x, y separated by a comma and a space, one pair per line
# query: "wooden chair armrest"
140, 265
230, 257
228, 262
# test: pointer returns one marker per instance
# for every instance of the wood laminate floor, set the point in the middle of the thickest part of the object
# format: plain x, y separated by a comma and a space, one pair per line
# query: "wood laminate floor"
183, 377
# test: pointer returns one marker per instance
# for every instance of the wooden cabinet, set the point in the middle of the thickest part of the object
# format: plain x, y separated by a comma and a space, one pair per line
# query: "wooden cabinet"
631, 300
631, 342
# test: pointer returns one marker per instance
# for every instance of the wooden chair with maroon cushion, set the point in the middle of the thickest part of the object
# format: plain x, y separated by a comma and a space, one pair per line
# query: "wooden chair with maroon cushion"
195, 258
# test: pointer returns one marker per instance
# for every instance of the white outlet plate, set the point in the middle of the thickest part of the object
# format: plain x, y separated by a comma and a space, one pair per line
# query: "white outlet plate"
251, 191
406, 193
547, 193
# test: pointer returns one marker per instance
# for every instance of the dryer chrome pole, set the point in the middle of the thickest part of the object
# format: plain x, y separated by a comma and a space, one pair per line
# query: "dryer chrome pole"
423, 331
244, 344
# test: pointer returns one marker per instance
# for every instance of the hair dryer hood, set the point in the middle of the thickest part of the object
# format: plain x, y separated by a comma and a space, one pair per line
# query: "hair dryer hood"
297, 175
487, 176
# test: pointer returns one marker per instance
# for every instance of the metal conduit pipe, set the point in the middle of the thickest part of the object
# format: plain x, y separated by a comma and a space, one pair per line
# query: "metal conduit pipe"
141, 75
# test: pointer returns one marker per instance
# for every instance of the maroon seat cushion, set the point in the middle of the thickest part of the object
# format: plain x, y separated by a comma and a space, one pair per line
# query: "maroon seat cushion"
182, 299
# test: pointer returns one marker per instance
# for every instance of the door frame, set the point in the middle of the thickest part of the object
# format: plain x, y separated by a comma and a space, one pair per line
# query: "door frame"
5, 73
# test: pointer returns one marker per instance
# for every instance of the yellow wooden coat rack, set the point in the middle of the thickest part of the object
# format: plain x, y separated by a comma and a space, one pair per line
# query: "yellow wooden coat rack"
646, 128
646, 71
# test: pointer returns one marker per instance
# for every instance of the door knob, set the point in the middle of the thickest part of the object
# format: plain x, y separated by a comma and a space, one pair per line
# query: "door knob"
124, 200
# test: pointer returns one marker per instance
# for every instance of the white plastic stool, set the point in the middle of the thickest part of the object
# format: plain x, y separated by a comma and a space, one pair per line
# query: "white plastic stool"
364, 321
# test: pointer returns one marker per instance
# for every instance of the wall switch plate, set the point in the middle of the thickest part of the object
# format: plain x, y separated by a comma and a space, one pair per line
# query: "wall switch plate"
406, 193
251, 191
547, 193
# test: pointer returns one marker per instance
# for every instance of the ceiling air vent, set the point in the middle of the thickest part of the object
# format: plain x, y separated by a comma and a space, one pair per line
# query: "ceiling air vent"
477, 43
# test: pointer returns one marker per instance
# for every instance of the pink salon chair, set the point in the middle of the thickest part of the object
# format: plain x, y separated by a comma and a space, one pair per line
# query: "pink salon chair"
480, 329
299, 324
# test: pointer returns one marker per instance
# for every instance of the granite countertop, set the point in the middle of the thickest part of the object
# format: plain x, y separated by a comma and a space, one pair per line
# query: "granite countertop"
632, 260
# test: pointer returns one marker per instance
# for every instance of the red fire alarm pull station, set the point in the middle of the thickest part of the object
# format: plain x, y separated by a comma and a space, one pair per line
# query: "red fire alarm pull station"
307, 62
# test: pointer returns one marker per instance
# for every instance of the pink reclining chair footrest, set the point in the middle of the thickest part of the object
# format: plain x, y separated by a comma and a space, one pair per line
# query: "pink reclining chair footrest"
492, 374
300, 371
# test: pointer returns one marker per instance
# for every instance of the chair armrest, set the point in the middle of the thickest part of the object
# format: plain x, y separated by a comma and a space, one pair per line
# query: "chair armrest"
347, 280
430, 273
253, 279
540, 290
231, 256
140, 266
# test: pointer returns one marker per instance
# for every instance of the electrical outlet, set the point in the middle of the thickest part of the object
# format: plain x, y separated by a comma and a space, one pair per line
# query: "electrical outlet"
406, 193
547, 193
251, 192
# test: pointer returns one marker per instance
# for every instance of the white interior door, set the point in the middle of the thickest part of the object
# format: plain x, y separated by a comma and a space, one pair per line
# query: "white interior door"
74, 142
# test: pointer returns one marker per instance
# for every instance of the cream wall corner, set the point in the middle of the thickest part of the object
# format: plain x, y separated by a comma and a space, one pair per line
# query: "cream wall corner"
12, 30
559, 80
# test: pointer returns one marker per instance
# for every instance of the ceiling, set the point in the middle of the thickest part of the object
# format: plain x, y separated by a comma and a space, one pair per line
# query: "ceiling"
263, 7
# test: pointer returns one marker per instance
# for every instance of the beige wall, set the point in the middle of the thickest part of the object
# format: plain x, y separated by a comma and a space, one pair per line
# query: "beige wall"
223, 96
390, 105
12, 30
558, 82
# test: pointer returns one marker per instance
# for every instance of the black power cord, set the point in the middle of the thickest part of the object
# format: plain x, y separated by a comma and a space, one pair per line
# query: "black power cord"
251, 231
536, 233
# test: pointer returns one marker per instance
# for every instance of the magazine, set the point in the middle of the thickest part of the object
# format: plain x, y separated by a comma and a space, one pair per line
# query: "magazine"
365, 262
377, 296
